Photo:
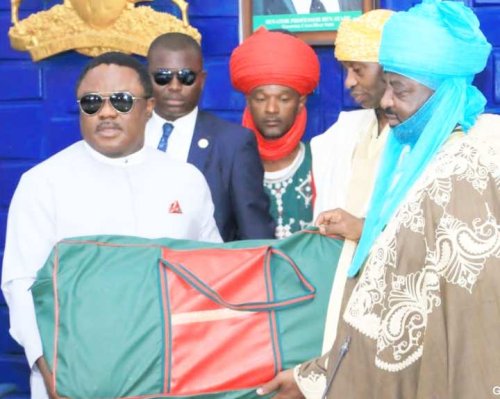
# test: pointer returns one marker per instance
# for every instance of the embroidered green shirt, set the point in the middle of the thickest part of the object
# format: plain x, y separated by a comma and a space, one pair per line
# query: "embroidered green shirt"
290, 193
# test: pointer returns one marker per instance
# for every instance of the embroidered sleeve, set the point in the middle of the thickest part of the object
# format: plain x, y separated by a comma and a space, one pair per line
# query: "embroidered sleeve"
311, 377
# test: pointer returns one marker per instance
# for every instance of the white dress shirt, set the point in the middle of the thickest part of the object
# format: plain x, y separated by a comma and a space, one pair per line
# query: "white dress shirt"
180, 139
80, 192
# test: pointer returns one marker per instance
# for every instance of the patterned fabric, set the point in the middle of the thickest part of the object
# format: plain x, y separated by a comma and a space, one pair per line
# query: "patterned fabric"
423, 314
358, 39
291, 195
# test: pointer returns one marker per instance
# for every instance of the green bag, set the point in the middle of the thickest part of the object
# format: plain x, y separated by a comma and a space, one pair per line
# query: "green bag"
127, 317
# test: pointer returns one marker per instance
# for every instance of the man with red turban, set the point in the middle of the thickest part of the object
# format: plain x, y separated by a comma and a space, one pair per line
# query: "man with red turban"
276, 71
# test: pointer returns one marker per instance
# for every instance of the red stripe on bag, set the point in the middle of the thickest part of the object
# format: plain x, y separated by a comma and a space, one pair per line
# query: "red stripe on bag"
166, 331
201, 360
56, 315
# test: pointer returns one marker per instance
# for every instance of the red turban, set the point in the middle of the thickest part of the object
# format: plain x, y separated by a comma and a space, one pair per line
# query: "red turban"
275, 58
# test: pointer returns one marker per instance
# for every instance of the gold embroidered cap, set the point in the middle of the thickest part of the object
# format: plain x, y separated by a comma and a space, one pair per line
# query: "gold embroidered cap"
359, 39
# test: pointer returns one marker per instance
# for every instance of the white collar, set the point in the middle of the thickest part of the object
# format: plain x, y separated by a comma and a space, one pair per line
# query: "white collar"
132, 159
179, 142
288, 171
183, 120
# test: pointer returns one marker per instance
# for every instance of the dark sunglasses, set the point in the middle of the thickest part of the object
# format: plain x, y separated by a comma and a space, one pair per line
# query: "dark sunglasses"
122, 101
185, 76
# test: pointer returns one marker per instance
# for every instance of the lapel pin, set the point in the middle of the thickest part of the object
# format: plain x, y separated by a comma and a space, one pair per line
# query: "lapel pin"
203, 143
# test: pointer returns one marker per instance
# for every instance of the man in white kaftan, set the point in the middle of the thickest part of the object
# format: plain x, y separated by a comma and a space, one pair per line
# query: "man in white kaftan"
345, 157
109, 183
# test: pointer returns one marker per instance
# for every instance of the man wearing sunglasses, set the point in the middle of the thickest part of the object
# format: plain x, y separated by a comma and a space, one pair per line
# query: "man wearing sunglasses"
109, 183
224, 152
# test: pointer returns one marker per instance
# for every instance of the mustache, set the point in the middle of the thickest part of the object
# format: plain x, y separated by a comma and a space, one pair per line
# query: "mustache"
389, 111
108, 125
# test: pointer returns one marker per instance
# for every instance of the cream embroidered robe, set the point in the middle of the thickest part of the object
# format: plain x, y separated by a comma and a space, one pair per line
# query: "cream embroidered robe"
423, 317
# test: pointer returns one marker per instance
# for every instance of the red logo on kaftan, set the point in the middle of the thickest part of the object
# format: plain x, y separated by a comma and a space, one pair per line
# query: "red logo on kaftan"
175, 207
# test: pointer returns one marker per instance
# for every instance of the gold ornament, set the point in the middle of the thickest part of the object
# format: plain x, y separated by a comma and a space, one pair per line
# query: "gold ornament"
93, 27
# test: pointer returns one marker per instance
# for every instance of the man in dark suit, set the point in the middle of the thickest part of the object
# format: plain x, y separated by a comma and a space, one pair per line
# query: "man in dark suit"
265, 7
224, 152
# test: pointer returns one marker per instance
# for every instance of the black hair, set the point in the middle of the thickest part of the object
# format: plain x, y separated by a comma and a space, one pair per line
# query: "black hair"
175, 41
124, 60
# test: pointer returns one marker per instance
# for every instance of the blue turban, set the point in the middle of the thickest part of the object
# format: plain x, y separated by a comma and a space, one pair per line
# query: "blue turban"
438, 44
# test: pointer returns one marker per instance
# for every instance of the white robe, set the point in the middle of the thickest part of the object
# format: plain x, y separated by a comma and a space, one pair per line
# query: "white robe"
80, 192
345, 163
332, 154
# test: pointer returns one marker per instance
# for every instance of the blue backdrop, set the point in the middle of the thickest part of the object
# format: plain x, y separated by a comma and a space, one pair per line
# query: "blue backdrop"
39, 116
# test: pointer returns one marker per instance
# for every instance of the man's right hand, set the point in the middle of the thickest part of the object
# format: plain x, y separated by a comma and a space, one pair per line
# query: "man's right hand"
340, 223
47, 378
284, 385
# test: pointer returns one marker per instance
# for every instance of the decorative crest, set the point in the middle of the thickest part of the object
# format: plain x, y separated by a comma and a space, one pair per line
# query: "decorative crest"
93, 27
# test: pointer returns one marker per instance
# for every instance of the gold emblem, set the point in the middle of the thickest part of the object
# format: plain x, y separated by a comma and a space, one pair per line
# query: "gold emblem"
93, 27
97, 13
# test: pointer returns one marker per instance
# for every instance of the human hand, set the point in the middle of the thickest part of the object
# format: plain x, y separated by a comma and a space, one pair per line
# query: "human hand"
340, 222
284, 385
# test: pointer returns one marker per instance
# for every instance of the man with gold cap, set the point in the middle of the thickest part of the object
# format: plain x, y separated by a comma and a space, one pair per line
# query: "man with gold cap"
346, 157
358, 136
421, 309
277, 71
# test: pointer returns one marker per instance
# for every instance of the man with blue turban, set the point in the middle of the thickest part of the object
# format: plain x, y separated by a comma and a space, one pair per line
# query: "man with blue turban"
421, 311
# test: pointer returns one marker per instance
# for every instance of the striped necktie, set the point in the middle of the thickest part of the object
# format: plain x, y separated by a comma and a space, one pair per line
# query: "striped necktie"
317, 6
167, 131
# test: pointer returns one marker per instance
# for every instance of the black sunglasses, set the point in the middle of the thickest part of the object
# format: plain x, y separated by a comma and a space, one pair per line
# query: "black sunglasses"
122, 101
164, 76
